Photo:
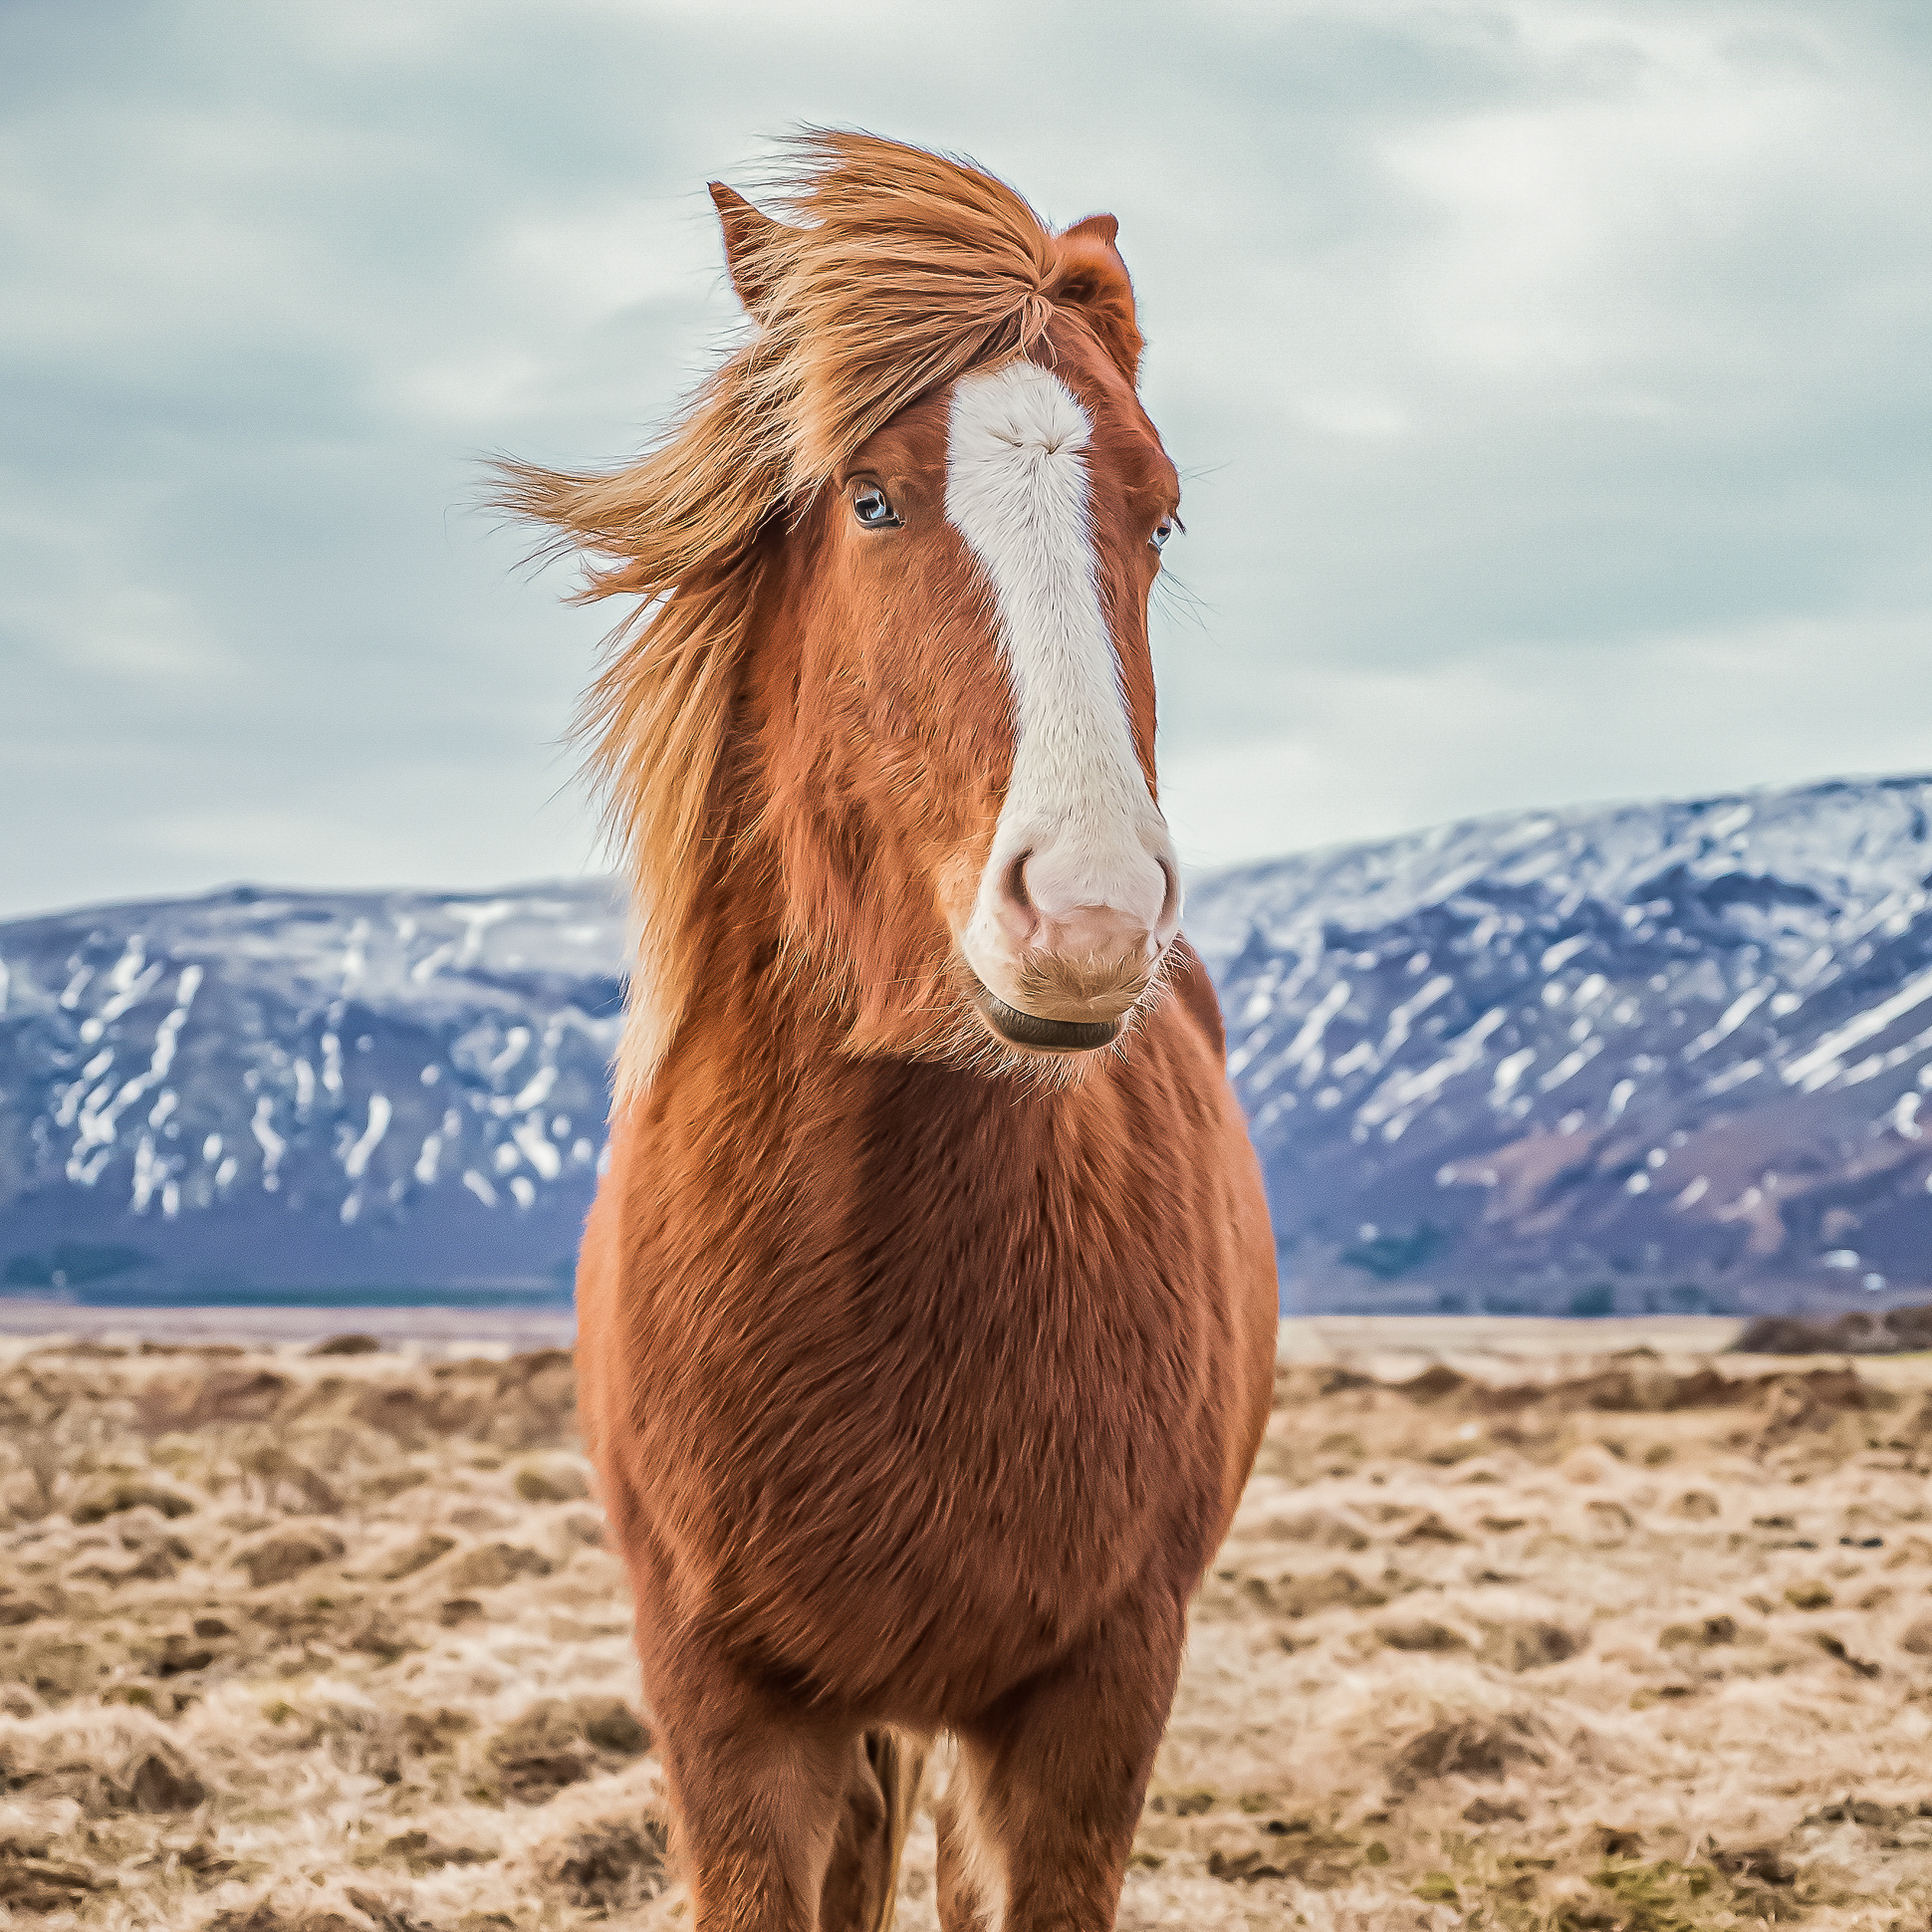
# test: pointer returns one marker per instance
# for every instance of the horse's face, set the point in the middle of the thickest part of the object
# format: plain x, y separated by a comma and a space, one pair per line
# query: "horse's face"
975, 702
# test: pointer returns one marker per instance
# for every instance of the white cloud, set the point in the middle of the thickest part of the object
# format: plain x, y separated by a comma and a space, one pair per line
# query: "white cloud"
1551, 383
1380, 751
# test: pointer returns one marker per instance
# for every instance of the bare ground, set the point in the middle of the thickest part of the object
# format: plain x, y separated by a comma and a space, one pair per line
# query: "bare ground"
326, 1644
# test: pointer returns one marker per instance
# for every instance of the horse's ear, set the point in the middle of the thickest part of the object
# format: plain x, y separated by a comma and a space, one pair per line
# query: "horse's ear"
748, 237
1092, 278
1101, 228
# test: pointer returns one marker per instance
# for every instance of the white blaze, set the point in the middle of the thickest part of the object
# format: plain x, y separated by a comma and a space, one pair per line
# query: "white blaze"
1017, 490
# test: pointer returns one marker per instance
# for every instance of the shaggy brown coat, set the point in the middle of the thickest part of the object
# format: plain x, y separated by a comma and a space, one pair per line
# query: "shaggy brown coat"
922, 1375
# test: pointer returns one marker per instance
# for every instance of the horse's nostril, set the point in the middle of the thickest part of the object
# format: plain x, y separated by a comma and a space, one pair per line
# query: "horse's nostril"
1170, 901
1018, 913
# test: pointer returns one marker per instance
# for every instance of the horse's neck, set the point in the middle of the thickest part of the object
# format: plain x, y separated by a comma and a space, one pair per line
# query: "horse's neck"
768, 1035
812, 927
765, 1048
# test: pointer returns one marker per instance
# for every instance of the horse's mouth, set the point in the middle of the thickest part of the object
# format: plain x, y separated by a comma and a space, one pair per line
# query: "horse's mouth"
1029, 1030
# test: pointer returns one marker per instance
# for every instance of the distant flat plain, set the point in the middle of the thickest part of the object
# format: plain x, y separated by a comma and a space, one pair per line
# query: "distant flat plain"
1315, 1338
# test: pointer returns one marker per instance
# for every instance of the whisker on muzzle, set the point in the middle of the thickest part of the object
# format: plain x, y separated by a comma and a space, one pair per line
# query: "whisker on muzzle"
1058, 987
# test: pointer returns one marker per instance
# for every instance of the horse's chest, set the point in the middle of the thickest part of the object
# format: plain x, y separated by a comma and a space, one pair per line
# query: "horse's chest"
916, 1526
942, 1391
941, 1436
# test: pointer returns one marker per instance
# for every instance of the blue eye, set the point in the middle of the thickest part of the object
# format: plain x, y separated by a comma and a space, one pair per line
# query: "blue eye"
874, 509
1162, 531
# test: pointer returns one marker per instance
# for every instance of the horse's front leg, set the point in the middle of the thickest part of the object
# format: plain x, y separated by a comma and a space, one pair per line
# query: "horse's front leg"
1040, 1815
758, 1796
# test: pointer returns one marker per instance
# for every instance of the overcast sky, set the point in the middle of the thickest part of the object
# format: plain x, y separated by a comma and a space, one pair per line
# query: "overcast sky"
1553, 379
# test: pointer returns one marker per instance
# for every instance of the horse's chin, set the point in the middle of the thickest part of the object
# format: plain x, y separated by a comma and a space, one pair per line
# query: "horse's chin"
1035, 1035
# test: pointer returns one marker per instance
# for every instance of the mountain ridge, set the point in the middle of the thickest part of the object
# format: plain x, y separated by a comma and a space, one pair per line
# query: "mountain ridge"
1570, 1016
360, 1076
1625, 1058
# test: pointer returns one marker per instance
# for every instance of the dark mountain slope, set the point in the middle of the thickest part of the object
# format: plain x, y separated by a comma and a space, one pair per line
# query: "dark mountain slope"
306, 1089
1652, 1056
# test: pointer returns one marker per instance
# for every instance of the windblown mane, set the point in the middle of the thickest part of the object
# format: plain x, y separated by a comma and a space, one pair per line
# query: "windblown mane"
893, 272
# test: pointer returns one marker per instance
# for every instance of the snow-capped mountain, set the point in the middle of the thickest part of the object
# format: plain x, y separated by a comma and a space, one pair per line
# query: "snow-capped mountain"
1645, 1057
306, 1089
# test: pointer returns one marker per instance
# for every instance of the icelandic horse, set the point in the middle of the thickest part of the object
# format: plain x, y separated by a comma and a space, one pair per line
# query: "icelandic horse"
927, 1309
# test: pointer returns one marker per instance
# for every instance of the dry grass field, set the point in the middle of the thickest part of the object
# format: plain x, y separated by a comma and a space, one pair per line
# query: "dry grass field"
296, 1644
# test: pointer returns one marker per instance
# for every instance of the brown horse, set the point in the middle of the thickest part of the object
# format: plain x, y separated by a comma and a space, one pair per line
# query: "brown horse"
927, 1310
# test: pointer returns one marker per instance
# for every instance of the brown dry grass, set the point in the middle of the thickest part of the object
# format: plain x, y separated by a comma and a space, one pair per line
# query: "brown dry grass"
333, 1645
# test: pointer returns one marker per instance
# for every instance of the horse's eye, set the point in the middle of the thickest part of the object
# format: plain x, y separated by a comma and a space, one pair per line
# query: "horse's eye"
1162, 531
874, 509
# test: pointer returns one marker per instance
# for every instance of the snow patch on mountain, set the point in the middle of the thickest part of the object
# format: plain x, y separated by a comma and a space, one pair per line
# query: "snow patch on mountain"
1643, 1056
308, 1087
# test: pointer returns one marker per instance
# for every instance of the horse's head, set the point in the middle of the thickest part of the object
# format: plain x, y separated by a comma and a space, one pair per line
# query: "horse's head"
903, 545
961, 736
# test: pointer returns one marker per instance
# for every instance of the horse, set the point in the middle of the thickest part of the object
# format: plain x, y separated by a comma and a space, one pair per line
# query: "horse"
927, 1306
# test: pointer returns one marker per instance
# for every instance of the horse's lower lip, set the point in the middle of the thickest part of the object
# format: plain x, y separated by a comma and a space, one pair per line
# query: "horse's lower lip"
1049, 1036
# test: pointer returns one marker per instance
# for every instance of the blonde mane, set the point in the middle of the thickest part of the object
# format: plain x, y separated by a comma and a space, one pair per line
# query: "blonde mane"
895, 271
